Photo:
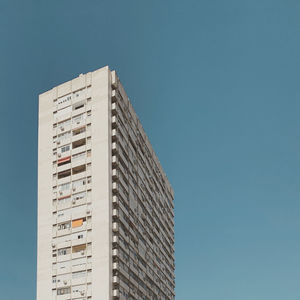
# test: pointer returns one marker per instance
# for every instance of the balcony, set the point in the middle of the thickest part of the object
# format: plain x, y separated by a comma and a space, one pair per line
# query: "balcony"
115, 239
78, 281
64, 297
64, 218
79, 123
115, 213
79, 189
115, 200
79, 111
63, 205
80, 136
115, 227
63, 181
114, 121
61, 142
116, 280
116, 293
64, 282
81, 267
65, 166
78, 294
79, 149
116, 189
114, 108
78, 143
63, 232
65, 116
63, 271
79, 254
64, 173
63, 258
61, 128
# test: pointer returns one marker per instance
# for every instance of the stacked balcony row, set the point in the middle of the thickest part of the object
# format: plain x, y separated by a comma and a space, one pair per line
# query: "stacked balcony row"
71, 202
80, 292
130, 210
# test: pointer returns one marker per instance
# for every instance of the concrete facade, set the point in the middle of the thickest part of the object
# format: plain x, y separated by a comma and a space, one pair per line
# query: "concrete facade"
105, 206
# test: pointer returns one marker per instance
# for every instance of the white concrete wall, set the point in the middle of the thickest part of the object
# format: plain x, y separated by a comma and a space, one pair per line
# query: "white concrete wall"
101, 183
44, 251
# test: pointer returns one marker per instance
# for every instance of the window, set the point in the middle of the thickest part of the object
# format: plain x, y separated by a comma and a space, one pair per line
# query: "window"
78, 131
80, 93
79, 248
63, 111
79, 196
62, 125
64, 251
64, 148
79, 183
63, 136
63, 291
64, 99
78, 169
78, 119
79, 262
78, 143
78, 274
63, 226
64, 161
78, 156
79, 105
64, 174
64, 200
63, 187
78, 289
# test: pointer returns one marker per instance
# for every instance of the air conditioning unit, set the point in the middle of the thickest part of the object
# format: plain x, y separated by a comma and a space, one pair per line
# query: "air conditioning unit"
59, 155
60, 192
74, 189
58, 142
53, 245
74, 201
65, 281
82, 293
82, 252
88, 211
78, 122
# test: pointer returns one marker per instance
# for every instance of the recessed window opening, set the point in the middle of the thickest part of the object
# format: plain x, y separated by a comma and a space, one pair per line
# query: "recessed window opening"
78, 169
78, 131
78, 105
78, 143
64, 163
64, 174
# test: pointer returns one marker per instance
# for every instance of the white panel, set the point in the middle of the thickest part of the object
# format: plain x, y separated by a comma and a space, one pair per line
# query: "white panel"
63, 111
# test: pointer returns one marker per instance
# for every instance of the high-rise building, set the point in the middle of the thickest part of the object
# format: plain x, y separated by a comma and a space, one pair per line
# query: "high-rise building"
105, 206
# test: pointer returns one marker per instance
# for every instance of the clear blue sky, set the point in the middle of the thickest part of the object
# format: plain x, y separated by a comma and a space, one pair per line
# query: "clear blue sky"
216, 86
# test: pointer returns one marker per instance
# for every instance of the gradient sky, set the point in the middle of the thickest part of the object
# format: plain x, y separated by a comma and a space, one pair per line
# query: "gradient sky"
216, 86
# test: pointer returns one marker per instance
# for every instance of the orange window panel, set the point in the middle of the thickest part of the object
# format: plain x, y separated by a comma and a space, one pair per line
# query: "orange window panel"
77, 223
